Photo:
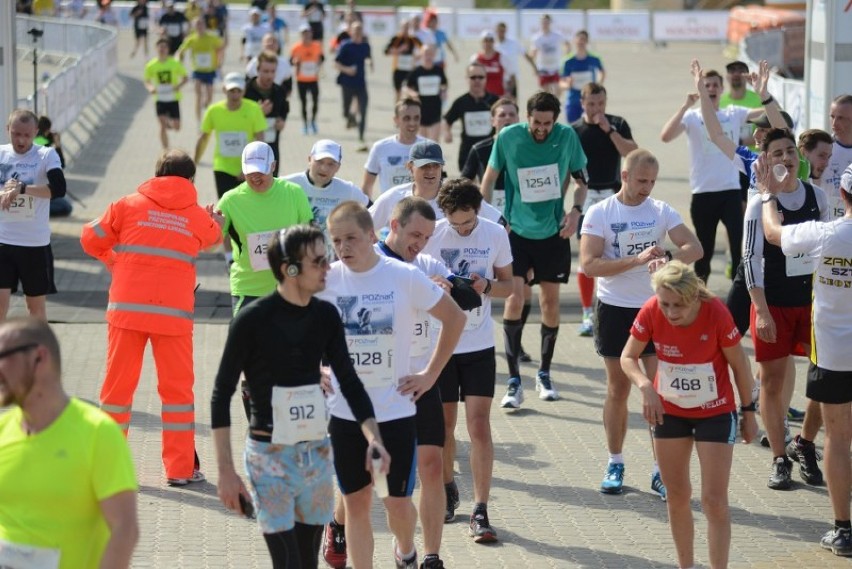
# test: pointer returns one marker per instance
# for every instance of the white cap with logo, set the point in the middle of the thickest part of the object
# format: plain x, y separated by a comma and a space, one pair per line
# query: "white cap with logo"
257, 158
235, 80
326, 148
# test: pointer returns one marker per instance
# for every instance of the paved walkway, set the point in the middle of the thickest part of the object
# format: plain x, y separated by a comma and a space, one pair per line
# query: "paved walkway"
549, 456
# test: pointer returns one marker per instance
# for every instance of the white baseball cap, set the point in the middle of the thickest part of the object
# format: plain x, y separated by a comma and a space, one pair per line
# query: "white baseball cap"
326, 148
257, 158
235, 80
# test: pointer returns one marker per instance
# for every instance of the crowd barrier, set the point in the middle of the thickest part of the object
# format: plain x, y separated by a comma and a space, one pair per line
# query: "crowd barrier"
95, 63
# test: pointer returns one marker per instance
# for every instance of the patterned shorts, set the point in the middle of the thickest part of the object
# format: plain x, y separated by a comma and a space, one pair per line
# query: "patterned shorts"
290, 484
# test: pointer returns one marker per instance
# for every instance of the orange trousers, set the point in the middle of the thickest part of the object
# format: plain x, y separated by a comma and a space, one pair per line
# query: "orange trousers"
175, 378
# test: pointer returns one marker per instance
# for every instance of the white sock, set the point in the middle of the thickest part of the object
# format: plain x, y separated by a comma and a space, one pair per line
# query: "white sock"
616, 458
587, 311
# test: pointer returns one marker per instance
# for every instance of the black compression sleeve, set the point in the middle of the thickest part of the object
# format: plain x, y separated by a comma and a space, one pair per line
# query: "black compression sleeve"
56, 183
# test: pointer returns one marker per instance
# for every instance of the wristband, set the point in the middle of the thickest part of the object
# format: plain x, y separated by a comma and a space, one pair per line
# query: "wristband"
751, 407
669, 255
767, 101
579, 209
487, 286
22, 188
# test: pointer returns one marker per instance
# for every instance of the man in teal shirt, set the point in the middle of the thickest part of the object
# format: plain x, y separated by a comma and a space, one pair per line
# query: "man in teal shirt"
538, 159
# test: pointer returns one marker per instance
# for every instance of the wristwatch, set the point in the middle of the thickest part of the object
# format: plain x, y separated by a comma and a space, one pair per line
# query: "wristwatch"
579, 209
22, 188
487, 288
767, 197
751, 407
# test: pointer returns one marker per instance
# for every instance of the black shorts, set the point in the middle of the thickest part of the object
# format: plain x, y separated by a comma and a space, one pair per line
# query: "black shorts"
716, 429
430, 418
399, 78
474, 373
140, 33
225, 182
827, 386
170, 109
612, 329
350, 448
430, 111
31, 266
550, 258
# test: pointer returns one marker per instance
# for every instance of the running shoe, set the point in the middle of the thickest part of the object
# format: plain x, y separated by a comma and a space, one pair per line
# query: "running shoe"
794, 414
305, 129
788, 436
334, 546
432, 561
351, 122
480, 530
545, 387
839, 541
657, 486
514, 394
806, 456
780, 478
314, 127
613, 482
408, 563
452, 492
587, 327
524, 356
197, 476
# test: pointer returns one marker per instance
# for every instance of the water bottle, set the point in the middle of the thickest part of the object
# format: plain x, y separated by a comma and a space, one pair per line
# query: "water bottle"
380, 479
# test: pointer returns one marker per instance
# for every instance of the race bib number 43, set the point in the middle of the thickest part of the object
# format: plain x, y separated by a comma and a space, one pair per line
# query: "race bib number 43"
258, 243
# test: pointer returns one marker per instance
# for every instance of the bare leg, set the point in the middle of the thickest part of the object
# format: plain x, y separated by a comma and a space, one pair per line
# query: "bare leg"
812, 422
615, 405
359, 531
451, 412
715, 460
432, 501
772, 408
673, 456
402, 518
478, 413
37, 306
5, 300
838, 436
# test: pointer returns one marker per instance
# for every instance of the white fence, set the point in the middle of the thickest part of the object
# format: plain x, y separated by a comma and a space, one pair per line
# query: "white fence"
65, 95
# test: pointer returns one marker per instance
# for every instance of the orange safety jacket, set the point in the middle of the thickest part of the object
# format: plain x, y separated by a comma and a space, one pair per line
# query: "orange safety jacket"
149, 241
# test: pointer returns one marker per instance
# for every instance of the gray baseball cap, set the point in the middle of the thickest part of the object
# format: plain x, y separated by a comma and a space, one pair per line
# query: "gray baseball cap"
426, 152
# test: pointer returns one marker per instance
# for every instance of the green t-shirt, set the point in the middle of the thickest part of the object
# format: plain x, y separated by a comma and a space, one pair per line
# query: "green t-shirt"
52, 483
533, 174
165, 76
255, 217
204, 48
234, 129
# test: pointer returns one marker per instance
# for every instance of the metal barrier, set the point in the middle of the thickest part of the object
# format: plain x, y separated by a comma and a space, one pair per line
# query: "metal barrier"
64, 96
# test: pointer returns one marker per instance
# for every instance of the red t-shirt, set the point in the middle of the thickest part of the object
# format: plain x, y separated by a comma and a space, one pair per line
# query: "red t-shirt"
688, 347
493, 73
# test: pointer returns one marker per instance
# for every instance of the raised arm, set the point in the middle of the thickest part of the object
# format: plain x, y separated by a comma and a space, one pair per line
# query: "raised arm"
708, 115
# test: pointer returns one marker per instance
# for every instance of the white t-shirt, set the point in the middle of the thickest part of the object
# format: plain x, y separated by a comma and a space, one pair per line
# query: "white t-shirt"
283, 71
831, 244
510, 52
27, 223
841, 158
709, 169
485, 248
323, 200
379, 308
627, 231
548, 51
388, 159
253, 36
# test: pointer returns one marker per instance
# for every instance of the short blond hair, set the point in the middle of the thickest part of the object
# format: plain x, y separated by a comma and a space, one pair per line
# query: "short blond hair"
351, 211
681, 279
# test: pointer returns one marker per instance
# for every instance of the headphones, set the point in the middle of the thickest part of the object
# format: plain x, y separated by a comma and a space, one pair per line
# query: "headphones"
293, 268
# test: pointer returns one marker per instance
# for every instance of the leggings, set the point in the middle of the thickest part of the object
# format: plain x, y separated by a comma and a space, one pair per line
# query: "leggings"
304, 88
707, 210
359, 93
297, 548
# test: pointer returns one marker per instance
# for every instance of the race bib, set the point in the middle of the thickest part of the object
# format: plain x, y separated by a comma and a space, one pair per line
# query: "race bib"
799, 265
231, 144
580, 79
549, 57
142, 24
258, 244
22, 208
308, 69
298, 414
477, 123
372, 357
166, 93
173, 30
420, 342
539, 183
475, 318
632, 242
399, 175
430, 86
16, 556
596, 196
498, 199
270, 133
405, 62
204, 60
837, 208
687, 386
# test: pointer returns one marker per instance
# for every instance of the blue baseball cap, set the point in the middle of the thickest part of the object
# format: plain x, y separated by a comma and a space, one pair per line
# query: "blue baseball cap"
426, 152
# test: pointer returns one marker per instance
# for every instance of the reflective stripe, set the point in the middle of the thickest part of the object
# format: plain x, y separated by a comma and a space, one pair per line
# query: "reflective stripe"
178, 426
156, 251
150, 309
116, 408
178, 408
96, 227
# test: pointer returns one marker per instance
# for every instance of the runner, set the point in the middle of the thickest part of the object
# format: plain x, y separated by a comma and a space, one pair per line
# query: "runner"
306, 56
208, 53
253, 32
351, 64
489, 58
403, 47
578, 69
830, 356
623, 239
606, 139
272, 99
278, 344
388, 157
474, 110
379, 299
141, 22
691, 400
173, 25
546, 53
164, 78
474, 248
428, 83
539, 158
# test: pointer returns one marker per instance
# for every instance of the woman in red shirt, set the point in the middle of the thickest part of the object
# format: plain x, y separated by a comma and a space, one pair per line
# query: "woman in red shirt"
691, 400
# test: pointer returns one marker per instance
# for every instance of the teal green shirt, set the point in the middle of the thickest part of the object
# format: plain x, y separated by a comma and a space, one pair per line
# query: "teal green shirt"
533, 174
253, 217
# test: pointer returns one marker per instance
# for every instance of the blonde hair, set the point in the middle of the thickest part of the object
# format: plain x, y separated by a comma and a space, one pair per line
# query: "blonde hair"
681, 279
639, 157
351, 211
